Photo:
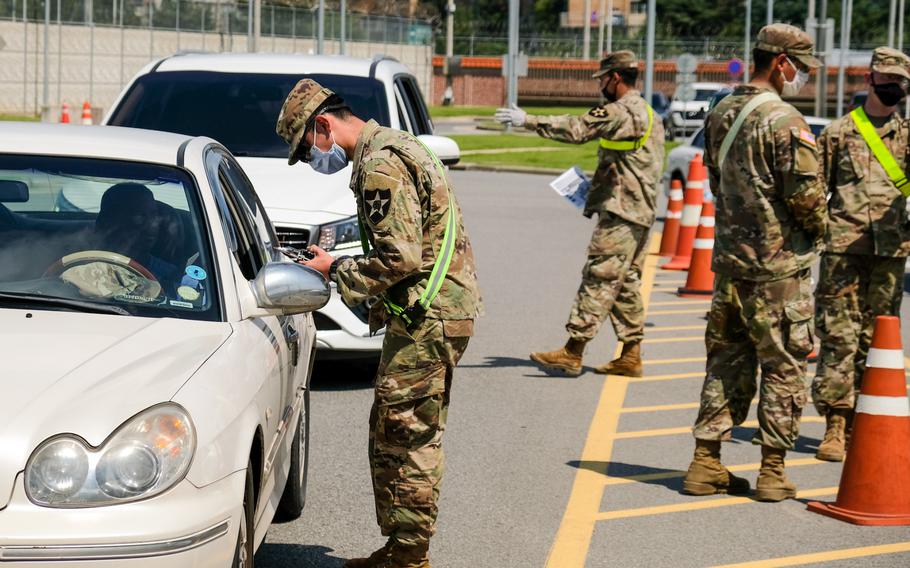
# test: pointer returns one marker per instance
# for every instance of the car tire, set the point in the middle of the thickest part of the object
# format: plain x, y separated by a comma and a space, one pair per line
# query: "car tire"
243, 552
294, 497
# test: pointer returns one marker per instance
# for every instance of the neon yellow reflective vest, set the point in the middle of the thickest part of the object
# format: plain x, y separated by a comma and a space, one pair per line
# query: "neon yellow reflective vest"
880, 151
629, 145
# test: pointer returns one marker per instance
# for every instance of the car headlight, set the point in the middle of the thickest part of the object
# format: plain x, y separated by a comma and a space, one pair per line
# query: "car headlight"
340, 233
144, 457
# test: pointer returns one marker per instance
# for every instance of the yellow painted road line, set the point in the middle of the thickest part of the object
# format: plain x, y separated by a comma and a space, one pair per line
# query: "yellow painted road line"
659, 407
675, 339
829, 556
661, 328
681, 303
703, 310
645, 477
687, 429
699, 374
673, 361
573, 539
698, 504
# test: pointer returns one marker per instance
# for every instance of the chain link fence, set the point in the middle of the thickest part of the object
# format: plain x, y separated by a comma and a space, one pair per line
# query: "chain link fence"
94, 48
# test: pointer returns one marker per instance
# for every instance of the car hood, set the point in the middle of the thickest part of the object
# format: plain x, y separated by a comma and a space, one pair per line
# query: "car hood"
691, 105
85, 374
298, 194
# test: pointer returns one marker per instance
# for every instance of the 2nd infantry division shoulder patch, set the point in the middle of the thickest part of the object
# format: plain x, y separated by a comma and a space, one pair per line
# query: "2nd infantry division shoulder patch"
599, 112
377, 202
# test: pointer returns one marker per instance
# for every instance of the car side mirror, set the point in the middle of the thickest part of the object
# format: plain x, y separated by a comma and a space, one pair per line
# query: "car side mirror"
12, 191
445, 148
290, 288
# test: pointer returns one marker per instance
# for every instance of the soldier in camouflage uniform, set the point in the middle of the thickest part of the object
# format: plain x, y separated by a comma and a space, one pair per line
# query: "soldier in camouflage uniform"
405, 204
770, 216
623, 195
867, 244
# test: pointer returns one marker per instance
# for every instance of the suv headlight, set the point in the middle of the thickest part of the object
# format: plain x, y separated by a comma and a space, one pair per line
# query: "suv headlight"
146, 456
339, 234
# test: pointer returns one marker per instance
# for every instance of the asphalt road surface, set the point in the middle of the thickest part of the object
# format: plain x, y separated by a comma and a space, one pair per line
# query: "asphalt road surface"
562, 472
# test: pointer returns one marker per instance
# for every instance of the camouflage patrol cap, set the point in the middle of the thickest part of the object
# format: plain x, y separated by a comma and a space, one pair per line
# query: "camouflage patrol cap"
888, 60
784, 38
300, 105
617, 60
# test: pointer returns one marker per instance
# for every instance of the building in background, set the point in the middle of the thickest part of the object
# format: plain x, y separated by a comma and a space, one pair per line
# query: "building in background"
628, 15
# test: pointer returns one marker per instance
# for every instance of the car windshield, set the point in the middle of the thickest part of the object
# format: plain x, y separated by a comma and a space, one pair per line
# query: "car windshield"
237, 109
704, 94
103, 235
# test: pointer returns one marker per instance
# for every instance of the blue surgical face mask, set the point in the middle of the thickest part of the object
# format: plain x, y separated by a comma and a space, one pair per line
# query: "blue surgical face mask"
329, 162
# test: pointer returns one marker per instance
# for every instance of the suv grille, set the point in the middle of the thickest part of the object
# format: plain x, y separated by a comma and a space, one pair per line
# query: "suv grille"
293, 237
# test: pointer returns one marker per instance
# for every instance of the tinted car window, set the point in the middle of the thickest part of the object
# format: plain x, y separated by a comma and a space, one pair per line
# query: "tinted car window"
699, 139
107, 232
237, 109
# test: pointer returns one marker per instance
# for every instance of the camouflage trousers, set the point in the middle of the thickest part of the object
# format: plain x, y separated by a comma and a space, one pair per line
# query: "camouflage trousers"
757, 328
852, 291
407, 421
611, 282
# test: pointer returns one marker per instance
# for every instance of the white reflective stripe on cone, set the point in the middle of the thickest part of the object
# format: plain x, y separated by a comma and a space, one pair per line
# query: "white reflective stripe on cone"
676, 195
883, 405
695, 184
674, 214
704, 244
690, 215
706, 221
885, 358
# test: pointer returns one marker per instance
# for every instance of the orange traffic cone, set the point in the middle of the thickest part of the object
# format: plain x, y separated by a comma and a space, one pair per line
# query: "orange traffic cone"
700, 280
688, 226
86, 113
670, 235
875, 483
65, 113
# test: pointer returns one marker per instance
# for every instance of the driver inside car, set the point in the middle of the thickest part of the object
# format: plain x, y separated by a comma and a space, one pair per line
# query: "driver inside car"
127, 224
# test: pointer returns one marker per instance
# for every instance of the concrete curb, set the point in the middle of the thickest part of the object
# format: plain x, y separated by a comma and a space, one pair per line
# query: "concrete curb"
509, 169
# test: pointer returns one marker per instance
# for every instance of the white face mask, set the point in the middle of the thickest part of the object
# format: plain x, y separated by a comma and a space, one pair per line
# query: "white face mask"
792, 88
329, 162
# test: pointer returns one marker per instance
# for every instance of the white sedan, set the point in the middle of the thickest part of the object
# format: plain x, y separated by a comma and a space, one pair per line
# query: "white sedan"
156, 353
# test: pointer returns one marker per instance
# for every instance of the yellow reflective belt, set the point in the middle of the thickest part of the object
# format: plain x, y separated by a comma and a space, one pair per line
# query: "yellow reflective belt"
881, 152
627, 145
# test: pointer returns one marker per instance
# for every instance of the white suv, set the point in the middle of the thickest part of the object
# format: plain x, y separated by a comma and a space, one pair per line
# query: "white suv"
687, 117
235, 99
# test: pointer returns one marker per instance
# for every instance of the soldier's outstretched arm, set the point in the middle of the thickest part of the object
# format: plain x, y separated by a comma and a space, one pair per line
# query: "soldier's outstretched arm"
599, 122
392, 211
798, 167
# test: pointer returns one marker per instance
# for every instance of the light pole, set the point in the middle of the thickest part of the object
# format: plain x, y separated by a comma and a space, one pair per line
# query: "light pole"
586, 50
891, 14
320, 28
822, 72
649, 61
512, 59
770, 17
46, 98
845, 18
748, 42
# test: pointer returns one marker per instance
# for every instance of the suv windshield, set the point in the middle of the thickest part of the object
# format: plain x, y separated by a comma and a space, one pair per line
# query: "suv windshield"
237, 109
103, 235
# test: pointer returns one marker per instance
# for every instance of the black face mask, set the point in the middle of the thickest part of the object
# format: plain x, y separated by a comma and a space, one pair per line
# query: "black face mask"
607, 95
889, 93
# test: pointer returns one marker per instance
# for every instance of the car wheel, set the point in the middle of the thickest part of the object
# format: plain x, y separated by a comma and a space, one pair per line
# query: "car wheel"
243, 552
294, 497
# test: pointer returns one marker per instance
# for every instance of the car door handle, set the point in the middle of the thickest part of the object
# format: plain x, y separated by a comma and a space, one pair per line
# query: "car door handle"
293, 338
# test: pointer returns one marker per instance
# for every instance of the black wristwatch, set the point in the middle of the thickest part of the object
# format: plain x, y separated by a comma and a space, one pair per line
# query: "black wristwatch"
333, 269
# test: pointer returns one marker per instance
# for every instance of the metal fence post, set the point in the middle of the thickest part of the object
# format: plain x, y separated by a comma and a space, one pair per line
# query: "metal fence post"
343, 38
25, 55
151, 30
293, 29
59, 51
177, 23
91, 53
203, 27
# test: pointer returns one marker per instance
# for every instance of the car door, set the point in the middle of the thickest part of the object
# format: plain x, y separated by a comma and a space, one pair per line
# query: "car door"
278, 348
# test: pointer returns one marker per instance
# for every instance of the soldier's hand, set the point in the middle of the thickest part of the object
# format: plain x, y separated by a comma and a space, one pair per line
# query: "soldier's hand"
511, 115
321, 261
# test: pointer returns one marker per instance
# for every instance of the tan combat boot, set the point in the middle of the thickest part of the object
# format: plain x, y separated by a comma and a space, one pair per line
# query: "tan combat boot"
566, 360
834, 445
394, 555
773, 484
707, 476
628, 364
